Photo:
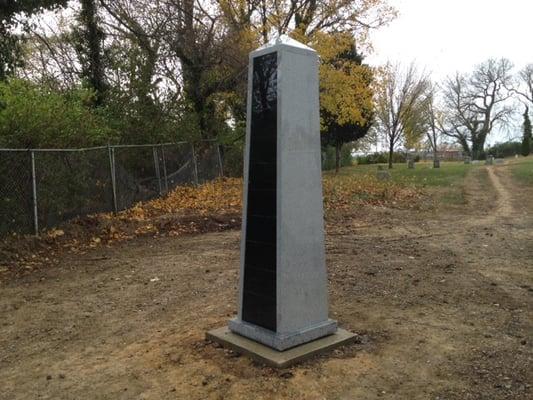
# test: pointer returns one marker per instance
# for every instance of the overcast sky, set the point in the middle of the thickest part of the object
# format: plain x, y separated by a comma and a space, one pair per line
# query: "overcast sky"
454, 35
445, 36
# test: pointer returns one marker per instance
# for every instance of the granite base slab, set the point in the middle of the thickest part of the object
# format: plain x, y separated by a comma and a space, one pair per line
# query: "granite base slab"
280, 341
274, 358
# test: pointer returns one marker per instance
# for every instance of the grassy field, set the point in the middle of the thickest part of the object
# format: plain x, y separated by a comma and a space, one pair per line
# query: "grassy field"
423, 174
522, 169
445, 183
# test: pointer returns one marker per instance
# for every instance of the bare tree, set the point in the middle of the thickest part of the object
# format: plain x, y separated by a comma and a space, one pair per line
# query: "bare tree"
400, 95
525, 78
433, 120
476, 103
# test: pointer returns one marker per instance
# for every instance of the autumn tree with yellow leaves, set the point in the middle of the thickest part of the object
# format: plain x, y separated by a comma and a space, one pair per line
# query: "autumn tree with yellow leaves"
337, 30
346, 95
186, 60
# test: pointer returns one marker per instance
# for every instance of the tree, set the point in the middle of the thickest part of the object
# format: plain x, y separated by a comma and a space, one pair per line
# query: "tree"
476, 103
212, 46
525, 81
400, 98
346, 100
182, 64
434, 118
10, 50
89, 43
526, 140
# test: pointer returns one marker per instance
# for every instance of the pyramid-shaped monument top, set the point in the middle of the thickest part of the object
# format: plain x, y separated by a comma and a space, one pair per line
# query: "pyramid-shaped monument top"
285, 41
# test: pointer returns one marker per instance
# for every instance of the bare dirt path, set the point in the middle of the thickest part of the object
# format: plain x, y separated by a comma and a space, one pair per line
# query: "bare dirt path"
504, 207
441, 301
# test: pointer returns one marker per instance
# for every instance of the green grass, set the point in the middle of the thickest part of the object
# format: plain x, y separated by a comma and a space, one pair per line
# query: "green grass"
449, 174
445, 183
522, 170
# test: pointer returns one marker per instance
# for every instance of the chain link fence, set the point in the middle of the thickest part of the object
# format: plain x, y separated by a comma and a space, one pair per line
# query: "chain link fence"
41, 188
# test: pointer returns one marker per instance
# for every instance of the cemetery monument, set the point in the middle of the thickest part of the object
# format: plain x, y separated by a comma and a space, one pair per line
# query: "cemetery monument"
283, 297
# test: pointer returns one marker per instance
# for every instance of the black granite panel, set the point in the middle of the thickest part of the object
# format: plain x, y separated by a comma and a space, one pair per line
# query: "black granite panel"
259, 286
264, 176
261, 255
262, 202
262, 280
261, 229
260, 311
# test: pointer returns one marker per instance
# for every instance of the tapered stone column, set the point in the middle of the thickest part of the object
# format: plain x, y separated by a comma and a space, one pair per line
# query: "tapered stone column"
283, 299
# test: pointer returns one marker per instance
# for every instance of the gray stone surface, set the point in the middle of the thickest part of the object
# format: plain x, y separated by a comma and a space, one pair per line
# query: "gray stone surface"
301, 281
281, 341
279, 359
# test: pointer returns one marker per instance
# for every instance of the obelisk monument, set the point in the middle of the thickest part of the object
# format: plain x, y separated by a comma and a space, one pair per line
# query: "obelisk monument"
283, 296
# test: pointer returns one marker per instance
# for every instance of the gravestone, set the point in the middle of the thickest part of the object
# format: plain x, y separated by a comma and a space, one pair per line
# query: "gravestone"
468, 160
436, 163
383, 175
489, 160
283, 305
410, 163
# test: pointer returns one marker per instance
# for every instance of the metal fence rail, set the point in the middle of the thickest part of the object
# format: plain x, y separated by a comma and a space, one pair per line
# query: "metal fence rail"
40, 188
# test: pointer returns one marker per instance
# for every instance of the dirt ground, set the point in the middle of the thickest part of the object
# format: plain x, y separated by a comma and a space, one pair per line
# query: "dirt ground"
441, 301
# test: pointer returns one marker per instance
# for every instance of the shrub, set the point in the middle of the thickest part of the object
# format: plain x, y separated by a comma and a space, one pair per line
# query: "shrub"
380, 158
506, 149
32, 117
328, 157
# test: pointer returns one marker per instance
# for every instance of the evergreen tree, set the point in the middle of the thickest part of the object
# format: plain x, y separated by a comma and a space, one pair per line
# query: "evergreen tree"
526, 140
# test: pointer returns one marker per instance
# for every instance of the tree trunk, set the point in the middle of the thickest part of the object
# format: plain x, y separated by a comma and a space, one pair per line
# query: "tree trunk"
465, 146
391, 153
477, 149
91, 41
435, 156
338, 147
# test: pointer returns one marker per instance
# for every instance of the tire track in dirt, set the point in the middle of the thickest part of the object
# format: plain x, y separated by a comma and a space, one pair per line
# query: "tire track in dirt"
496, 200
504, 206
497, 234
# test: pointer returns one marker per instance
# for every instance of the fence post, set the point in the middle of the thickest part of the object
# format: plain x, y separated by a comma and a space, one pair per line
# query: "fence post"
34, 194
156, 166
195, 165
111, 153
165, 176
220, 166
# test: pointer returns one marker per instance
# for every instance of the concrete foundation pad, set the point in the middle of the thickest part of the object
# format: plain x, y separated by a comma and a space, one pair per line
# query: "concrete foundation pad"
274, 358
